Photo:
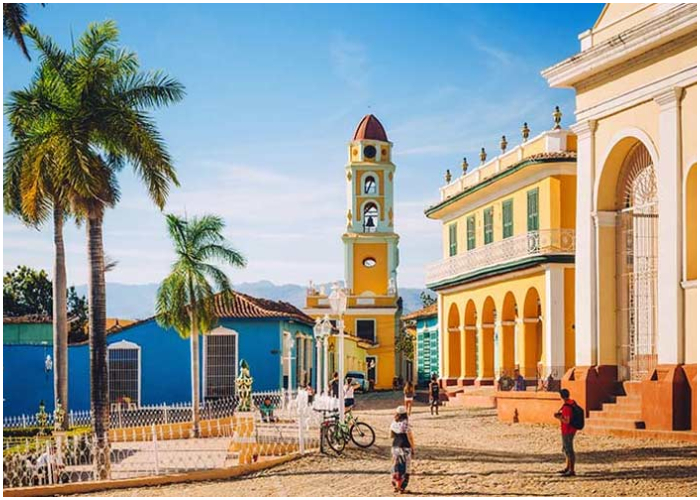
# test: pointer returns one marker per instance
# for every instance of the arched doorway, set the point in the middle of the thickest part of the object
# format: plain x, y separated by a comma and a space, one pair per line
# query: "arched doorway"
487, 340
508, 355
636, 265
453, 355
470, 355
532, 325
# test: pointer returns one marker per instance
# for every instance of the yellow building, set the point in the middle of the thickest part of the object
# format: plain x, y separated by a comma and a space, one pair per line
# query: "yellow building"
505, 284
371, 256
635, 80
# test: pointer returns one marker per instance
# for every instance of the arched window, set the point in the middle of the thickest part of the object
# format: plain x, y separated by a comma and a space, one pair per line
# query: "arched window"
220, 363
371, 216
370, 185
124, 373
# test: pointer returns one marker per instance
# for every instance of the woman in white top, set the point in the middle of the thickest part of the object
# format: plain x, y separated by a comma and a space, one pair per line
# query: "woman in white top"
349, 393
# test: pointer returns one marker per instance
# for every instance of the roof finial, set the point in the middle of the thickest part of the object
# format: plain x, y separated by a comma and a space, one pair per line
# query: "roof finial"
557, 118
482, 156
448, 176
465, 165
504, 144
525, 131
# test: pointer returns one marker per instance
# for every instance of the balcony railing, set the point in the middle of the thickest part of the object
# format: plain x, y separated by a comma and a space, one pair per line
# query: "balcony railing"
532, 243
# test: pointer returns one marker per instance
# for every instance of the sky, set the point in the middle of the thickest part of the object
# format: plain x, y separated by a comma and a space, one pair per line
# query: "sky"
274, 93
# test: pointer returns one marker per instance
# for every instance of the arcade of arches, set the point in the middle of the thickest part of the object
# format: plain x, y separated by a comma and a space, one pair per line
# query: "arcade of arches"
523, 321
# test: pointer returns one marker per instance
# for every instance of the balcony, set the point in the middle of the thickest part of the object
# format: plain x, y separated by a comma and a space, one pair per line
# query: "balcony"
544, 242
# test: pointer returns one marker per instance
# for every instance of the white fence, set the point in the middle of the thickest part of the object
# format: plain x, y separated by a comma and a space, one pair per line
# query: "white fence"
165, 448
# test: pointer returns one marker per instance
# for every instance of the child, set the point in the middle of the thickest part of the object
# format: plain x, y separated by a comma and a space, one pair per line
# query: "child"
266, 410
434, 388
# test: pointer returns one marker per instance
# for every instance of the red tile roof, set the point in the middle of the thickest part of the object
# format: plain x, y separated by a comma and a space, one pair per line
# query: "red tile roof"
426, 312
27, 319
370, 128
240, 305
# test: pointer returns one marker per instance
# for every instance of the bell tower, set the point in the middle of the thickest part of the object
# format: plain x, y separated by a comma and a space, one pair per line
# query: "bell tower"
371, 245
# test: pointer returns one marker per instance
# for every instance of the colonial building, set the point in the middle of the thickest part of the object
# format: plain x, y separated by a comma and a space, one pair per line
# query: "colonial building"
150, 365
371, 254
505, 284
635, 80
425, 323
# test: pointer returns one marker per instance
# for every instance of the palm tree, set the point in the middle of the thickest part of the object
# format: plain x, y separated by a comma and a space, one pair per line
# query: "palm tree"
34, 192
14, 15
98, 124
185, 298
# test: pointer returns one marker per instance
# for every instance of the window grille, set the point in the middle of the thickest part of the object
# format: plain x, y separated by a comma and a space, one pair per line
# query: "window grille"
124, 367
220, 363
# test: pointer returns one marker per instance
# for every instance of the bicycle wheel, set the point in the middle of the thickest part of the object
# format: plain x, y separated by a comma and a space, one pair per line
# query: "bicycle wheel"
362, 435
334, 438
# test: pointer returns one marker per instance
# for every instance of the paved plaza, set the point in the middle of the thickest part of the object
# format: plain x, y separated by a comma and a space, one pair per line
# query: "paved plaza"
468, 452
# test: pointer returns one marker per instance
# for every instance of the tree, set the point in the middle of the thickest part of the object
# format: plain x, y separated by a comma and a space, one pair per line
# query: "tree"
427, 299
185, 298
91, 121
14, 16
28, 291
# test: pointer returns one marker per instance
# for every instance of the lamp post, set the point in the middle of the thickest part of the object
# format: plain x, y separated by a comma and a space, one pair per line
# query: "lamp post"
319, 345
325, 334
289, 344
338, 301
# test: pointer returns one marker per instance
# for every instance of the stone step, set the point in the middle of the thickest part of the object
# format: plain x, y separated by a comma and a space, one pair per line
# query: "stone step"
624, 403
614, 423
632, 388
616, 412
684, 436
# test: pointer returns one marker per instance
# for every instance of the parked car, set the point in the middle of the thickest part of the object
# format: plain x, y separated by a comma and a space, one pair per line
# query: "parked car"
360, 379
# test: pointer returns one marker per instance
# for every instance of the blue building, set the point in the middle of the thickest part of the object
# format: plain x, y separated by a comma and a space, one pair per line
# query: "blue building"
427, 338
151, 365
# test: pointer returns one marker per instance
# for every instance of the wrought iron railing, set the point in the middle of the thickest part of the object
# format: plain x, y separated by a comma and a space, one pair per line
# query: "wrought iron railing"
532, 243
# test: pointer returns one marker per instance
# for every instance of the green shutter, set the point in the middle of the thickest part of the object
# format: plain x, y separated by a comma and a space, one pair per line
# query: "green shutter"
507, 219
488, 225
471, 232
533, 210
453, 239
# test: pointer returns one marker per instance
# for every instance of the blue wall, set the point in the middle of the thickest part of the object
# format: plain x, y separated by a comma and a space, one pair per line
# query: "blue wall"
165, 365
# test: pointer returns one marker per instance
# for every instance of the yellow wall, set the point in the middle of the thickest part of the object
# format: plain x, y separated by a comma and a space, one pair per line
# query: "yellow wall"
385, 328
691, 224
374, 279
691, 325
689, 125
569, 317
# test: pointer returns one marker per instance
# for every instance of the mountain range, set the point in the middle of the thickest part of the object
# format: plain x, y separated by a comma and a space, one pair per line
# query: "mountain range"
137, 301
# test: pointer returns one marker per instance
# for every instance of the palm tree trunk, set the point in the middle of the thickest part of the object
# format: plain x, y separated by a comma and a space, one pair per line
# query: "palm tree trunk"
194, 351
60, 318
98, 343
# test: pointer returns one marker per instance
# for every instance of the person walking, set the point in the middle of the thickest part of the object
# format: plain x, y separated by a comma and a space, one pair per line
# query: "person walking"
349, 393
334, 384
434, 388
402, 450
409, 393
571, 417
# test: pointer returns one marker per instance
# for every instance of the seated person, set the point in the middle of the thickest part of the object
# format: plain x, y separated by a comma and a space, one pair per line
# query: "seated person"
519, 381
267, 410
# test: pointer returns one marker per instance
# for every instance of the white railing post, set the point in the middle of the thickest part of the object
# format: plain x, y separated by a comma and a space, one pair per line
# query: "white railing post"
155, 449
165, 413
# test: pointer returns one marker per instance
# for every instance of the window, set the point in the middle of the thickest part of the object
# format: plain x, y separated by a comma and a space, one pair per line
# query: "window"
488, 225
371, 217
365, 329
453, 239
124, 373
471, 232
507, 218
220, 363
370, 185
533, 210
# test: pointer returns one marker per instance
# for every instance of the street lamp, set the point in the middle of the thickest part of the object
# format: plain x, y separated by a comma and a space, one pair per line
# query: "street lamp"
326, 328
319, 345
338, 301
289, 344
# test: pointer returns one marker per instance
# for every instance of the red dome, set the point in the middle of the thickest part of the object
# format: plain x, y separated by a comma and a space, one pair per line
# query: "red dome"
370, 128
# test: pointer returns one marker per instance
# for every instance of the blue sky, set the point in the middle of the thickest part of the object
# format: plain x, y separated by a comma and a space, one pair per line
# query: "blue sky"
273, 95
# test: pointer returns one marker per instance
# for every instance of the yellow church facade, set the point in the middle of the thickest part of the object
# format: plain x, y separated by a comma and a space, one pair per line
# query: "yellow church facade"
371, 258
635, 80
506, 282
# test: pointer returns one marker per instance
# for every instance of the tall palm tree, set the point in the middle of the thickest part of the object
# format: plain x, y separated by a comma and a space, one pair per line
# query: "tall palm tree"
185, 297
99, 124
34, 192
14, 15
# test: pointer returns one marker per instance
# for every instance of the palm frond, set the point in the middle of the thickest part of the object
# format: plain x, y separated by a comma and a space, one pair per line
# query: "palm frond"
14, 16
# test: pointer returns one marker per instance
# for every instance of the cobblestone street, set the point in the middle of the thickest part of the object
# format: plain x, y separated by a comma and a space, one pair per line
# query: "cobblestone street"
468, 452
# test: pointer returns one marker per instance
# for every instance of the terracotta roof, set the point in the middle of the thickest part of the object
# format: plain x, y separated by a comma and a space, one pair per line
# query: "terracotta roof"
27, 319
370, 128
426, 312
240, 305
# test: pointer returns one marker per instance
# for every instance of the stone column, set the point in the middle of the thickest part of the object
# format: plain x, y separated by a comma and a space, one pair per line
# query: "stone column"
441, 338
586, 326
670, 348
554, 320
463, 355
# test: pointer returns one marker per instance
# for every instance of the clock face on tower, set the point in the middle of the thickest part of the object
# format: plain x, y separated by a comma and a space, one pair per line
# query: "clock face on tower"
370, 151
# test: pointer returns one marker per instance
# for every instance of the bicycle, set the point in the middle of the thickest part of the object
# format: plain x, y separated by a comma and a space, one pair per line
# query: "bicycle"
337, 434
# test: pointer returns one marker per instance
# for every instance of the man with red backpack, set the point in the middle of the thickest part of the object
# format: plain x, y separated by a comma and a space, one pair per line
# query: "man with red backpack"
571, 417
